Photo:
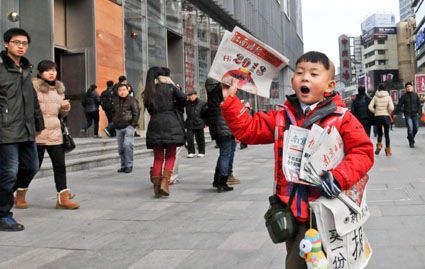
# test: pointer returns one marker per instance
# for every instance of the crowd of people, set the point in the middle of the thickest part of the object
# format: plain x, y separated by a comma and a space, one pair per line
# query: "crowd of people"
32, 108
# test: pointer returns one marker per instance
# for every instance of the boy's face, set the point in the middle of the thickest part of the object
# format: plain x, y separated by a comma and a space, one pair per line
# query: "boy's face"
17, 46
311, 81
123, 91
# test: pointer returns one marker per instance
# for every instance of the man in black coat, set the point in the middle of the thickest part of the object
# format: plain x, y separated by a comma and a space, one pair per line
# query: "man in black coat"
196, 110
410, 104
224, 138
107, 103
20, 120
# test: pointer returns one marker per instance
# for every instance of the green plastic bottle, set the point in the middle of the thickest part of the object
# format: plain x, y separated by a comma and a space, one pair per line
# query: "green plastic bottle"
280, 222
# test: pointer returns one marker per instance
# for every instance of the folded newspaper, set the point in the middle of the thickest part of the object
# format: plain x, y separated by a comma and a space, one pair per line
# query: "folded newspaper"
306, 153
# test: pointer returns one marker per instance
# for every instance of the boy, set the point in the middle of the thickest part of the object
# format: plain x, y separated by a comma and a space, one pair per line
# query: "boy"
126, 112
313, 102
21, 119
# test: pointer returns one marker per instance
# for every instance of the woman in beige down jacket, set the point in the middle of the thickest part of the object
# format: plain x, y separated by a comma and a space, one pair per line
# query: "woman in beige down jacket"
50, 94
382, 106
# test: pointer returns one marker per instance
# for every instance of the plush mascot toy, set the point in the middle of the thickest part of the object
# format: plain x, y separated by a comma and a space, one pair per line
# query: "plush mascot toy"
311, 250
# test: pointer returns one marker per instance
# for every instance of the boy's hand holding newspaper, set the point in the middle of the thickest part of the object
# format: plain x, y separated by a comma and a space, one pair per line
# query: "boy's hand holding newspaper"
329, 187
229, 89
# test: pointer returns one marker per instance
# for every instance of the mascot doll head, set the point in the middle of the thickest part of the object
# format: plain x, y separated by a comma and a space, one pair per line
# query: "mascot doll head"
311, 250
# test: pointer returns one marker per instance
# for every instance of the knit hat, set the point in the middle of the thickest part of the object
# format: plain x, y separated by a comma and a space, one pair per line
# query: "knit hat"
192, 93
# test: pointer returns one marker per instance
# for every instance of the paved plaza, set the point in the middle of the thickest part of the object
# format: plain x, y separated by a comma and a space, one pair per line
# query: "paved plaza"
121, 225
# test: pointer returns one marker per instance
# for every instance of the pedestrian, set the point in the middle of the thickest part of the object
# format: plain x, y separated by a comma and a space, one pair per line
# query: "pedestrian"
382, 106
165, 129
51, 96
107, 103
248, 108
126, 113
91, 102
220, 132
410, 105
360, 109
314, 101
21, 119
121, 80
196, 110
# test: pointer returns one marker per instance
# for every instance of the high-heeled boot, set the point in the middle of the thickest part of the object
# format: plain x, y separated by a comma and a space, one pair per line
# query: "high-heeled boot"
166, 176
378, 148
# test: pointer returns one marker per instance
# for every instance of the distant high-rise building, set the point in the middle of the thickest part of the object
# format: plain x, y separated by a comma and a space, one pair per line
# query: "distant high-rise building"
405, 9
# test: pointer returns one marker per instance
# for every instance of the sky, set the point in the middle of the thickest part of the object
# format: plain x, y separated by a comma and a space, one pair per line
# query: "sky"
325, 20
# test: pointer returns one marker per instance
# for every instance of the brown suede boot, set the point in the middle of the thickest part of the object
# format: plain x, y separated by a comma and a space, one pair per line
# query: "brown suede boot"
166, 176
378, 148
156, 185
20, 198
64, 202
388, 151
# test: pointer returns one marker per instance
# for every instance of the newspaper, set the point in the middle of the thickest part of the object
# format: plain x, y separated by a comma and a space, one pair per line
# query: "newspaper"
306, 153
342, 233
245, 58
293, 145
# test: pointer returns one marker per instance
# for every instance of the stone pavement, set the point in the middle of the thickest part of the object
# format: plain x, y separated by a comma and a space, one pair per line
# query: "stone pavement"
121, 225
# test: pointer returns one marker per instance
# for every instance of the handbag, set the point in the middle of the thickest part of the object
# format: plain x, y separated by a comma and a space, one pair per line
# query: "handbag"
68, 144
280, 222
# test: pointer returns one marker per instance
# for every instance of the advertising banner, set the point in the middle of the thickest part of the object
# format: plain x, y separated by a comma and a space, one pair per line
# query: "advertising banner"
253, 63
420, 83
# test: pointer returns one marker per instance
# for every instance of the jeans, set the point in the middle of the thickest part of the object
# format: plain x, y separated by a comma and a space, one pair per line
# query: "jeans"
200, 140
224, 167
57, 156
17, 160
92, 117
110, 127
412, 123
125, 139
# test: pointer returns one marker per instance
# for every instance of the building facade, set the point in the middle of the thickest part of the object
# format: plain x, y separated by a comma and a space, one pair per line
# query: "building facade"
406, 9
93, 41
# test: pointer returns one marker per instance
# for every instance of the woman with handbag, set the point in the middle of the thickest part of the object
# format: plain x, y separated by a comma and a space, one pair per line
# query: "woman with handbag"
50, 94
382, 106
165, 130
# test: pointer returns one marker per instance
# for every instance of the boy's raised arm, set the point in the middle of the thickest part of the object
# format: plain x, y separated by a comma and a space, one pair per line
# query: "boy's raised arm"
258, 129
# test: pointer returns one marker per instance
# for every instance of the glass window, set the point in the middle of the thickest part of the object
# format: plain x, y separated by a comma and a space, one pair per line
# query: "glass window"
381, 52
155, 10
133, 41
174, 16
156, 44
381, 41
202, 23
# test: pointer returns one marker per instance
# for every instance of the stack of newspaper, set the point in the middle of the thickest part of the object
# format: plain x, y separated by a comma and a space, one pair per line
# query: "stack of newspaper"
306, 153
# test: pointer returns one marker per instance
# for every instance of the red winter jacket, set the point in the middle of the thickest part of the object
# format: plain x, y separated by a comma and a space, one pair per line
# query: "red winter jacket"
268, 128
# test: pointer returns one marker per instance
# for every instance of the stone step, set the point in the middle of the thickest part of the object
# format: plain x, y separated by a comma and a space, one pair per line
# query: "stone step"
91, 152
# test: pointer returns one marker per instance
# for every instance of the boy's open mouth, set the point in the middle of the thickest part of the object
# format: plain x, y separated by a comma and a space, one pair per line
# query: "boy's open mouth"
305, 89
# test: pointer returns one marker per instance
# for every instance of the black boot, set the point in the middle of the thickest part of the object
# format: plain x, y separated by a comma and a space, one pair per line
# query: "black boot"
222, 185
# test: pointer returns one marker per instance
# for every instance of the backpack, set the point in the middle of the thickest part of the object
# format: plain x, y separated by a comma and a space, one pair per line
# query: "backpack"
106, 99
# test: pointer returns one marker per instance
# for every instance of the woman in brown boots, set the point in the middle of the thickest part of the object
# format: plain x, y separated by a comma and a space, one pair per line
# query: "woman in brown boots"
382, 106
50, 94
165, 130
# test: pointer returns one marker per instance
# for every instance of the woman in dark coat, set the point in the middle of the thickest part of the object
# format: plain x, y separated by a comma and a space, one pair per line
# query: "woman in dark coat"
165, 130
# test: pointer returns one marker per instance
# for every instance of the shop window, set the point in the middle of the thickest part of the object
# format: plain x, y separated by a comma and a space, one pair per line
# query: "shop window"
202, 23
174, 15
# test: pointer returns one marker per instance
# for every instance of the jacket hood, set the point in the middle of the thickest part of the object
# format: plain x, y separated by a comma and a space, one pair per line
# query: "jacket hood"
43, 87
382, 94
163, 80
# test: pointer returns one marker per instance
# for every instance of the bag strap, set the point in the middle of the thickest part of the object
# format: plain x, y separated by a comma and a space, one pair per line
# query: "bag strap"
292, 195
